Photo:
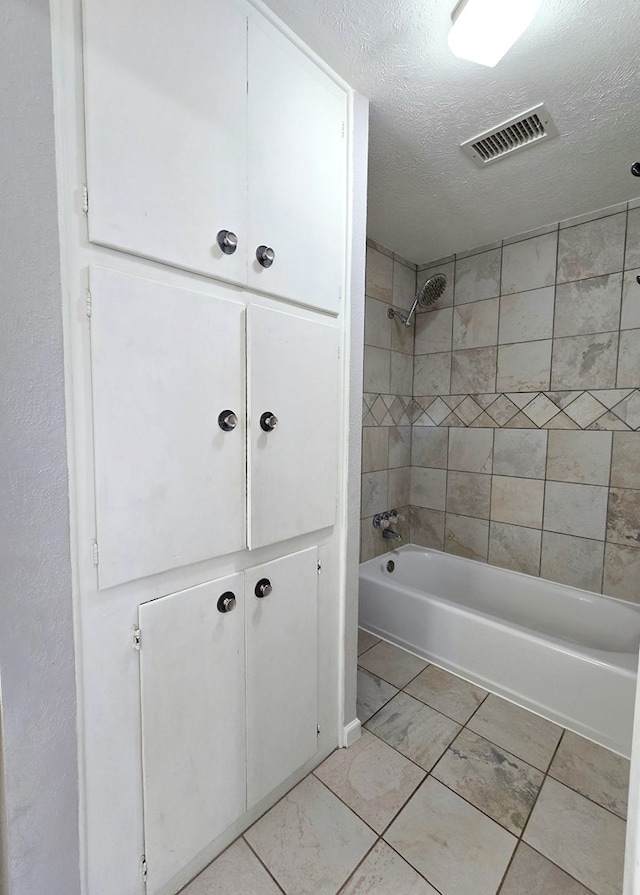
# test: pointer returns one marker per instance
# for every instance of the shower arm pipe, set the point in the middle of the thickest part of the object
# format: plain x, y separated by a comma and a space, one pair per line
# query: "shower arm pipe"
406, 318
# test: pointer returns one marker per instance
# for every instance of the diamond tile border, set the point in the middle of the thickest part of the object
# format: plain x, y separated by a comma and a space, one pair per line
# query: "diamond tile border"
603, 409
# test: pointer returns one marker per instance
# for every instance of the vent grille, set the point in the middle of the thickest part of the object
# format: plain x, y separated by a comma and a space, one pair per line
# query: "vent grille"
518, 133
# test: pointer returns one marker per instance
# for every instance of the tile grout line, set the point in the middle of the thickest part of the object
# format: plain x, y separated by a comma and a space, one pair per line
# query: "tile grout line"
257, 856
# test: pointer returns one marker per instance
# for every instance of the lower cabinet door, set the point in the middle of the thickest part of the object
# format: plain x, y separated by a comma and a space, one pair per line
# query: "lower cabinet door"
192, 663
282, 669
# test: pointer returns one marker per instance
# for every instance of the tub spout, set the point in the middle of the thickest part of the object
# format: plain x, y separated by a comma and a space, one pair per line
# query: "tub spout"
391, 535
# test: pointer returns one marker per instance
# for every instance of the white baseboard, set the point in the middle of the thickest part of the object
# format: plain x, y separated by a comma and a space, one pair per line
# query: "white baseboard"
350, 734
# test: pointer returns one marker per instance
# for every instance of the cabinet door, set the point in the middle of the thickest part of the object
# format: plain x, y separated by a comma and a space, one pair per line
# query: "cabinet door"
170, 483
193, 723
297, 171
293, 371
165, 91
282, 670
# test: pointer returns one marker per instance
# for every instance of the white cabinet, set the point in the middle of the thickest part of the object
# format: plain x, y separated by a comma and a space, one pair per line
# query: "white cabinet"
282, 670
198, 699
192, 682
190, 133
292, 373
165, 109
171, 484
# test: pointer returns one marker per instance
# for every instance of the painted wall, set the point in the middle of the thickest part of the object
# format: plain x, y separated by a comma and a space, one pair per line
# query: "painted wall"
526, 410
37, 674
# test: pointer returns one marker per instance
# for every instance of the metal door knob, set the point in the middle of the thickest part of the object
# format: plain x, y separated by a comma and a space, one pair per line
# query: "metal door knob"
228, 241
227, 602
268, 421
263, 588
227, 420
265, 255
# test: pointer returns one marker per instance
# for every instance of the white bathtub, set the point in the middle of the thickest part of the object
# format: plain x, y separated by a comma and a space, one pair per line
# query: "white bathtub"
566, 654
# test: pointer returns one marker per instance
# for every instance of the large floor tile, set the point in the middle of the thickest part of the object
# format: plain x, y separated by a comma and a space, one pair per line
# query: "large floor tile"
366, 641
372, 694
414, 729
581, 837
383, 872
496, 782
372, 778
530, 872
236, 870
391, 663
310, 841
456, 847
446, 693
597, 773
518, 731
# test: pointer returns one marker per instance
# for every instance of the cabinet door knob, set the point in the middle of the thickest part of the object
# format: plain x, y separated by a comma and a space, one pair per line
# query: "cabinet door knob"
265, 255
228, 241
268, 421
227, 420
227, 602
263, 588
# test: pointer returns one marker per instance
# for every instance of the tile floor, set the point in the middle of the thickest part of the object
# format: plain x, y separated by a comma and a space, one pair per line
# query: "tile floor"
450, 790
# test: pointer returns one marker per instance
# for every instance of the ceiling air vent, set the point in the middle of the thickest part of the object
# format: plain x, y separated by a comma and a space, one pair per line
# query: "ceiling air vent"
519, 133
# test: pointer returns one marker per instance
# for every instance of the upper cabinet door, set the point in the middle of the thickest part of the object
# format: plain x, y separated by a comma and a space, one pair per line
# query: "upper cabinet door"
297, 172
165, 99
293, 374
170, 480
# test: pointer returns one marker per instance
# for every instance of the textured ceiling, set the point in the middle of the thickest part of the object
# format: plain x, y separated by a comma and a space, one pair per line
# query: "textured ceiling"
426, 198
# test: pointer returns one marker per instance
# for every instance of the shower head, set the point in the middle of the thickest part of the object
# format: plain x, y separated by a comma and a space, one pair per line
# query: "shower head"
428, 295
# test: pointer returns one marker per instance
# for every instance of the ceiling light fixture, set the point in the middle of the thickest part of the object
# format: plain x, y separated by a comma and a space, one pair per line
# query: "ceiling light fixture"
484, 30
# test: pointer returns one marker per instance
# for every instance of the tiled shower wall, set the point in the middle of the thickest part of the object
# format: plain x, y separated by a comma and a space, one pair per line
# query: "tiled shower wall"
525, 411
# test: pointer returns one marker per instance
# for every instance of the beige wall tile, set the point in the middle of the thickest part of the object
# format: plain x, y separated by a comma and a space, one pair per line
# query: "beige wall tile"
622, 572
575, 561
529, 264
593, 249
477, 277
527, 316
379, 276
427, 527
399, 446
377, 326
519, 452
404, 285
517, 501
631, 300
623, 517
467, 537
583, 457
432, 374
471, 450
377, 370
375, 448
576, 509
515, 547
429, 447
473, 371
402, 337
428, 488
632, 258
401, 376
475, 325
524, 367
374, 493
433, 331
399, 487
588, 306
625, 462
585, 362
629, 359
469, 494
